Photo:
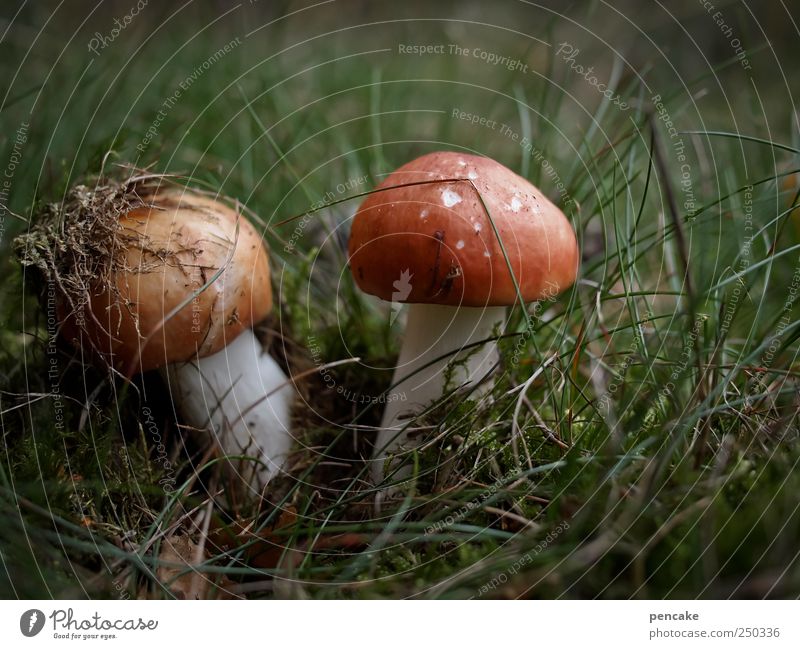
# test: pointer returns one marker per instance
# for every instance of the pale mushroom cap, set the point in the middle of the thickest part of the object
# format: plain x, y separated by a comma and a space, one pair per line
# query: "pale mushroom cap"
434, 243
172, 251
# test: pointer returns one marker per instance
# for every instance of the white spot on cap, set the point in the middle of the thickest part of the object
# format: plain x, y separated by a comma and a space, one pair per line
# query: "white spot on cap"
450, 198
486, 253
477, 228
516, 204
460, 244
461, 163
424, 214
472, 175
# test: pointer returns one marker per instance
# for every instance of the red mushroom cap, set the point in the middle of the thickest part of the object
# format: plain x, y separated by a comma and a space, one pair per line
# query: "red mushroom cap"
439, 238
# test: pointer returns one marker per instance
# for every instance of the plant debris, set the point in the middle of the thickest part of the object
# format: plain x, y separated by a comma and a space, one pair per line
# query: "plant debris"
77, 248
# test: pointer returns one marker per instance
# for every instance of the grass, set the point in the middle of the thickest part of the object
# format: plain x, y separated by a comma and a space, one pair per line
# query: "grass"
654, 454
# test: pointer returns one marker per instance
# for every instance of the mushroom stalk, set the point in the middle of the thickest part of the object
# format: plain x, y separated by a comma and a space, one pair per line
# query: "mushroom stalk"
438, 354
243, 397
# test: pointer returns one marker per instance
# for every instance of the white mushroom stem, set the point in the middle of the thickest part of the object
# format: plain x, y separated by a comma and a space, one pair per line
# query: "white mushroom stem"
435, 337
243, 397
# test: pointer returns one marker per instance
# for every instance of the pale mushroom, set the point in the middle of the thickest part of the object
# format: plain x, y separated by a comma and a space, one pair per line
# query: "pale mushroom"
189, 279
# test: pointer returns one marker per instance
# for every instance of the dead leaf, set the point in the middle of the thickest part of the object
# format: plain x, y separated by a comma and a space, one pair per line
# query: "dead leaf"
181, 577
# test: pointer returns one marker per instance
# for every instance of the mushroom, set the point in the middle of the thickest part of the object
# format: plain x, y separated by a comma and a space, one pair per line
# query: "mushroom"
424, 237
185, 281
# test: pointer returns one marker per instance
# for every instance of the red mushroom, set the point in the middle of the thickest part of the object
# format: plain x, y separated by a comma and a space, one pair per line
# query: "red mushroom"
449, 248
